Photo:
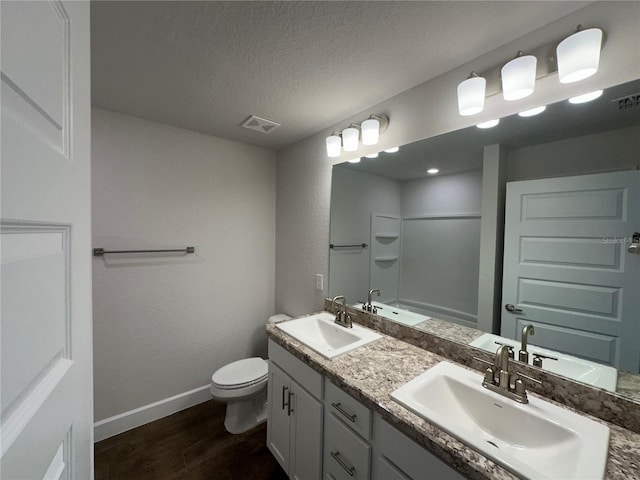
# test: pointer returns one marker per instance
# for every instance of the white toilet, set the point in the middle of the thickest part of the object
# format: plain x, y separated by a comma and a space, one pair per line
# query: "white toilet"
243, 386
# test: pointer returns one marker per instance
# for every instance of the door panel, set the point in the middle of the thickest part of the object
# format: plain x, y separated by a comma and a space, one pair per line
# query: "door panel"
566, 265
306, 435
278, 421
46, 391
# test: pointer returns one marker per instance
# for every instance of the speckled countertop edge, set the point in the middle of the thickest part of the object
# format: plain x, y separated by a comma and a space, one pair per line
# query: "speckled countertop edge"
370, 373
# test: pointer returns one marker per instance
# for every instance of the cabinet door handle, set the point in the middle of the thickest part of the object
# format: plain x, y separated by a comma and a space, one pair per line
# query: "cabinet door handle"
347, 468
338, 407
289, 409
284, 391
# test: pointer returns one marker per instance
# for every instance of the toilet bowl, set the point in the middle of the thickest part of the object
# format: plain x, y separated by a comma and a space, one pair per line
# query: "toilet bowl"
243, 386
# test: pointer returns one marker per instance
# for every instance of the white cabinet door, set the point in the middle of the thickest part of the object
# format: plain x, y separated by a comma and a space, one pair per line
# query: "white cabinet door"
567, 271
46, 386
306, 435
278, 419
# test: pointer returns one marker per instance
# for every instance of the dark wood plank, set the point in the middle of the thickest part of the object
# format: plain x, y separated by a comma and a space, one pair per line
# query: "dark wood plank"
191, 444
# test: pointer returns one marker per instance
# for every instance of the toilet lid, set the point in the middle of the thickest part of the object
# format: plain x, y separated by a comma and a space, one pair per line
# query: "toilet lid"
242, 372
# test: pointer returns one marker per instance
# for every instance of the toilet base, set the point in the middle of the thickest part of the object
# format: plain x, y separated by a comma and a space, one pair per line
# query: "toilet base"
243, 415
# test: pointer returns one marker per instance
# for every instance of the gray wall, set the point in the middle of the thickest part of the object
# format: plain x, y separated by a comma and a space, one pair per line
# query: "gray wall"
163, 325
604, 152
354, 197
443, 194
440, 256
304, 171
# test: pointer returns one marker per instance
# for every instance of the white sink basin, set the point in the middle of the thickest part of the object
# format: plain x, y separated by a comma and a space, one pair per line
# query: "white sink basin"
319, 333
535, 440
396, 314
596, 374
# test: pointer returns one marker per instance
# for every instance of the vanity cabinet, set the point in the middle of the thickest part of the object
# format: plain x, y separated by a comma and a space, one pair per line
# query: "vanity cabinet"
294, 422
397, 457
360, 445
347, 431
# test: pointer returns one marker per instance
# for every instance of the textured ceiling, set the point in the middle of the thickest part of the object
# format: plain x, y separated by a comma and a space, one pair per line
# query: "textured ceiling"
206, 66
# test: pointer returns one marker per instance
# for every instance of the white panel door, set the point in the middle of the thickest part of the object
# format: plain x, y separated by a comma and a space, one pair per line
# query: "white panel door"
45, 344
567, 270
278, 416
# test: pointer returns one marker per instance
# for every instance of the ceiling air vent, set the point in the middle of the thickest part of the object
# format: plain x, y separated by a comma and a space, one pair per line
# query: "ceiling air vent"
261, 125
630, 101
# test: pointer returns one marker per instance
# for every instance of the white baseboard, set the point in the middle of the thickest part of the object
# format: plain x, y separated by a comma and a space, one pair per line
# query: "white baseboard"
148, 413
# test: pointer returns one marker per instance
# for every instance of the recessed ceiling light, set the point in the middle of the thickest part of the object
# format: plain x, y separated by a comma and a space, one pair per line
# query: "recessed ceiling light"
489, 124
354, 160
372, 155
392, 150
533, 111
432, 171
587, 97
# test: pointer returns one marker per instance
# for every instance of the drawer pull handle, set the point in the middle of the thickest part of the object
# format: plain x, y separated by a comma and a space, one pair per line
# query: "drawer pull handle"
289, 409
338, 407
284, 393
347, 468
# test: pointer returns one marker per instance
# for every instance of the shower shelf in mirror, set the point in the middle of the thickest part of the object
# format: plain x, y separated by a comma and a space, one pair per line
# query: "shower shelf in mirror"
386, 236
386, 259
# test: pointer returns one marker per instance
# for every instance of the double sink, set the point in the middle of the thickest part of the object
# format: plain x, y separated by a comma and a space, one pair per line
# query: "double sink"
536, 440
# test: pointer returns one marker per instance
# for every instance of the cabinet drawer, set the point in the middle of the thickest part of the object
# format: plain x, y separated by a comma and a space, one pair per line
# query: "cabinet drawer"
346, 455
383, 470
303, 374
348, 409
412, 459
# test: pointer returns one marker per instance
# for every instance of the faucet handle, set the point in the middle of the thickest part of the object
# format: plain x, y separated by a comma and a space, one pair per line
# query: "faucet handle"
531, 379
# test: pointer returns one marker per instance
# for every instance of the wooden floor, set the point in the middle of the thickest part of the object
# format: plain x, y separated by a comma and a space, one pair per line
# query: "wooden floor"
191, 444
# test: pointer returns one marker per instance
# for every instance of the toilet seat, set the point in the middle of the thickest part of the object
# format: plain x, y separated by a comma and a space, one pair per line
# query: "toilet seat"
241, 374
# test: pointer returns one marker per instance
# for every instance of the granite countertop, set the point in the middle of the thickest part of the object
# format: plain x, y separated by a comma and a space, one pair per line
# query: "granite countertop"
370, 373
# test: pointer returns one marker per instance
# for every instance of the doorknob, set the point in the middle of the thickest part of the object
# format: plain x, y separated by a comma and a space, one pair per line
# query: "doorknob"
635, 243
512, 308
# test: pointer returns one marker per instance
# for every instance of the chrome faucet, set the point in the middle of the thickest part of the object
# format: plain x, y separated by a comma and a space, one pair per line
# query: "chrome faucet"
341, 317
498, 378
368, 307
523, 355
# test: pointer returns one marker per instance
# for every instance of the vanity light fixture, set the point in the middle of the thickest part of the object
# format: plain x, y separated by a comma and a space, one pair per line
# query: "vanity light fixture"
354, 160
573, 58
347, 140
370, 131
432, 171
488, 124
392, 150
372, 155
532, 112
587, 97
471, 93
334, 144
579, 55
519, 77
350, 137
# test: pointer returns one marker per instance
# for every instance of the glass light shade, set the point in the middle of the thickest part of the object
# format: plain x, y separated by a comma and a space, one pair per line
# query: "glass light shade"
532, 112
370, 131
471, 94
372, 155
587, 97
350, 139
392, 150
334, 142
519, 77
579, 55
354, 160
488, 124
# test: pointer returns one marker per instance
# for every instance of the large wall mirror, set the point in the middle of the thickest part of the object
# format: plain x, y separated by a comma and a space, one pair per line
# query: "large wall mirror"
570, 264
